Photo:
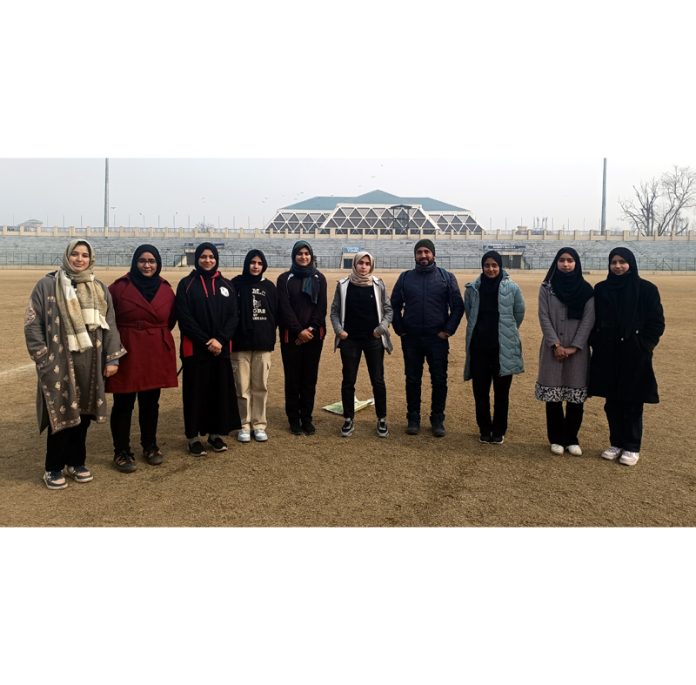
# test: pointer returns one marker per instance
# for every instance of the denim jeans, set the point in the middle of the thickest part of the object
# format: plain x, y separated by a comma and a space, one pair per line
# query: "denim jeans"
417, 348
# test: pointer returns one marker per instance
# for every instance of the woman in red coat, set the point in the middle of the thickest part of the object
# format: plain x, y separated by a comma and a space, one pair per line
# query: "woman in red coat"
144, 305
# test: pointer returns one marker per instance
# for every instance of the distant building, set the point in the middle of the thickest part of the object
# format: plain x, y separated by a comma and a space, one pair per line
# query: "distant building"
374, 213
31, 224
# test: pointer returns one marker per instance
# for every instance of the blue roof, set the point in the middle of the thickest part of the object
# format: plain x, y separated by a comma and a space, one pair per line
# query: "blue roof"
374, 197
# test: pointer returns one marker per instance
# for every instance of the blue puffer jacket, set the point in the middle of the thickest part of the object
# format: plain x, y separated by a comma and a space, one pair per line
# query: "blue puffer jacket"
510, 316
426, 301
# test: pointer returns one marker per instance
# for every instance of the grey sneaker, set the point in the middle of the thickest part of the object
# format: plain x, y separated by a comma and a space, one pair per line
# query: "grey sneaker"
629, 458
382, 430
243, 436
80, 474
611, 453
347, 428
55, 480
260, 435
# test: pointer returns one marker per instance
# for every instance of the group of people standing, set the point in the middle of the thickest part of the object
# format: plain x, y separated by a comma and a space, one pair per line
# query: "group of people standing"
87, 340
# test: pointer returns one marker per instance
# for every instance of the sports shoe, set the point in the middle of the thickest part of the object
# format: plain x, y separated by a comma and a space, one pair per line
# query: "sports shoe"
382, 430
195, 449
485, 438
308, 427
413, 427
629, 458
80, 474
55, 480
218, 444
260, 435
556, 448
497, 439
244, 436
153, 456
124, 461
575, 450
611, 453
347, 428
295, 427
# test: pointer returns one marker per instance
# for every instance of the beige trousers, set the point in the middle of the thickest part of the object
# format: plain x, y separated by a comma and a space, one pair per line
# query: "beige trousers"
251, 369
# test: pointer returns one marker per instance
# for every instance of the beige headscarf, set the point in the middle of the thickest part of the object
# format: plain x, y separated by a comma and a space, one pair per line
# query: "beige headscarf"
81, 302
355, 277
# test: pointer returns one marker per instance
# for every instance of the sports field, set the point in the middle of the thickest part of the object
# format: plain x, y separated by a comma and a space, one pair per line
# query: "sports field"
326, 480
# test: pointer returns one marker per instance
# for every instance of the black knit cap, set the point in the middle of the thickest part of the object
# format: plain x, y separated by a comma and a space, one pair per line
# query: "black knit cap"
425, 242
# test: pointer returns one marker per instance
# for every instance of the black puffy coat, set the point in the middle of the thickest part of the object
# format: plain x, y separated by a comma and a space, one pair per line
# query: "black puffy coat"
621, 364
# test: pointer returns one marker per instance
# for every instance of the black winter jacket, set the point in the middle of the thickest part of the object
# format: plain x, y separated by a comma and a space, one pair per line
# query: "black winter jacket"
621, 365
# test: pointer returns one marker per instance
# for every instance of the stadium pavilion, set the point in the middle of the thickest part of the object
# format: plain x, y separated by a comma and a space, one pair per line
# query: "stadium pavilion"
374, 213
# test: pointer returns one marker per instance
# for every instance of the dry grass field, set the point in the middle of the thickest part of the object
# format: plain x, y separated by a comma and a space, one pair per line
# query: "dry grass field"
326, 480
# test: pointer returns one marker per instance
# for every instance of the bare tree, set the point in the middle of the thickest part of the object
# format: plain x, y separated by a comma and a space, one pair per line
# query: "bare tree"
659, 206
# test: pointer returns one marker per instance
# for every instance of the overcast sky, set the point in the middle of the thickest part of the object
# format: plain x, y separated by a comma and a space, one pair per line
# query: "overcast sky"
242, 192
504, 108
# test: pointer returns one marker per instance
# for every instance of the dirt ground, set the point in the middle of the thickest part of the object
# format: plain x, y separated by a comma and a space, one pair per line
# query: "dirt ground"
326, 480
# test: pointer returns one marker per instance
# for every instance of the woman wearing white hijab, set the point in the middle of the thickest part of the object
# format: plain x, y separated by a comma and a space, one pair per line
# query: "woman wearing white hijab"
70, 331
360, 314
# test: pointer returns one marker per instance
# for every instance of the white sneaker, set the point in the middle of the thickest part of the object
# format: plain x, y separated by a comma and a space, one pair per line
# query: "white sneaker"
574, 450
244, 436
260, 435
556, 449
629, 458
611, 453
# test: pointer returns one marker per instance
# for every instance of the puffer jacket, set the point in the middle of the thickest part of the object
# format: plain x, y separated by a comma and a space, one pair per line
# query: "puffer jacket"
510, 317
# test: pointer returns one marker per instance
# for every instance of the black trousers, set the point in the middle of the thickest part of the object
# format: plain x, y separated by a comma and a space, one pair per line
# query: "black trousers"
351, 351
625, 424
485, 367
67, 447
563, 429
301, 367
417, 348
148, 415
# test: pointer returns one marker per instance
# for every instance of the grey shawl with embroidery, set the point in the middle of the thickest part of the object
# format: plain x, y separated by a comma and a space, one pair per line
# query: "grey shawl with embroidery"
69, 383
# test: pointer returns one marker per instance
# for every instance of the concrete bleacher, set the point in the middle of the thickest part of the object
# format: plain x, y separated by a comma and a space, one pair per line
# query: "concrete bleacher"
389, 252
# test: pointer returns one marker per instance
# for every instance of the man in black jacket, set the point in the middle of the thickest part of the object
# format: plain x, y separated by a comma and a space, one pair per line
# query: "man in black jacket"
428, 307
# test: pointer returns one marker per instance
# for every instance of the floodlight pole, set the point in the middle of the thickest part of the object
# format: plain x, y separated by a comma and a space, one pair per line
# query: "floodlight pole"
603, 225
106, 197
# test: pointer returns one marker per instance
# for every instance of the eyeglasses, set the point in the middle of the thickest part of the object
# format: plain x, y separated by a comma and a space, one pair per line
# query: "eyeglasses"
147, 261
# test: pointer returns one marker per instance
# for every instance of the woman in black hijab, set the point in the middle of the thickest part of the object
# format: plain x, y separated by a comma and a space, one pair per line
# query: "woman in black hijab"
566, 315
302, 304
253, 344
206, 307
629, 322
144, 306
494, 309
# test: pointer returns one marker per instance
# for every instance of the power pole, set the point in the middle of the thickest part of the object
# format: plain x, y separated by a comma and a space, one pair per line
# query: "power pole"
106, 197
603, 225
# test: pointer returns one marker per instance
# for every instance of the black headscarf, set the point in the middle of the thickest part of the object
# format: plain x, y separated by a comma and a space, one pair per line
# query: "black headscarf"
570, 288
485, 333
207, 275
623, 290
488, 289
310, 285
147, 285
243, 285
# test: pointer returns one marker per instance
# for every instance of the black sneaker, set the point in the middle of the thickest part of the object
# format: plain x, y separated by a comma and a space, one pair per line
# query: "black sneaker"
347, 428
195, 449
218, 444
497, 439
153, 456
382, 429
308, 427
485, 438
124, 461
413, 427
295, 427
437, 425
